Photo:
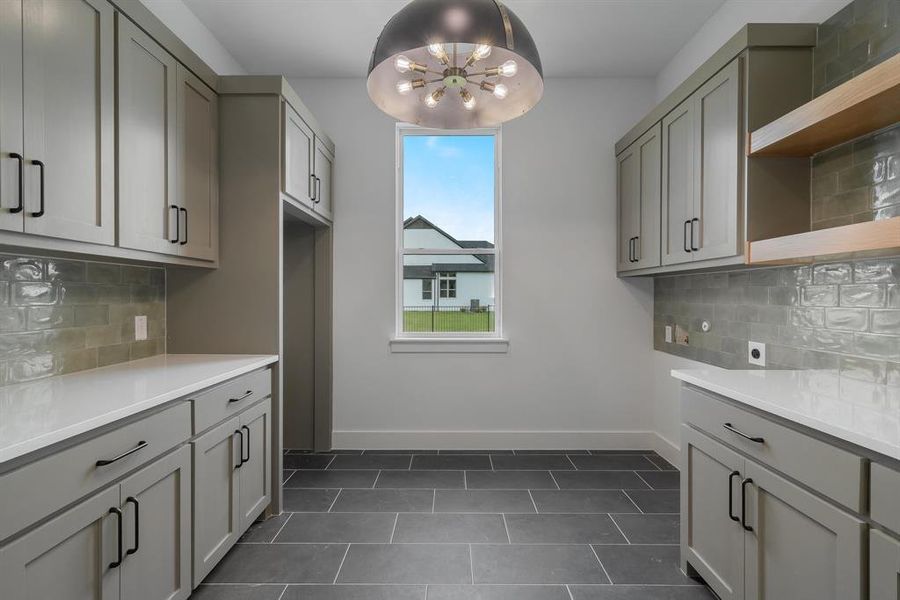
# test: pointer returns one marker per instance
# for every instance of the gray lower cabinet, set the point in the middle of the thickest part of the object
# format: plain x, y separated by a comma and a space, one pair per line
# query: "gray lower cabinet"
78, 555
884, 567
754, 535
232, 483
639, 171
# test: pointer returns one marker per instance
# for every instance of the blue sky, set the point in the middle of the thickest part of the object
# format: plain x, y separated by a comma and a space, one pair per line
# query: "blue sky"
449, 180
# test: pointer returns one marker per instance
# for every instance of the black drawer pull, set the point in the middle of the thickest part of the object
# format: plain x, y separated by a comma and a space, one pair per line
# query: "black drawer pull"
685, 235
730, 496
40, 212
752, 438
246, 460
137, 525
177, 224
118, 513
21, 159
185, 240
246, 395
108, 461
694, 248
744, 485
240, 433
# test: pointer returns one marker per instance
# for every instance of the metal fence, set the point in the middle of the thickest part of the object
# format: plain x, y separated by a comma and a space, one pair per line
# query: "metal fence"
448, 319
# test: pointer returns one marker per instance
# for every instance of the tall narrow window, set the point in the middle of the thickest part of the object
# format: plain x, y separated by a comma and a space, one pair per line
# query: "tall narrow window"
448, 242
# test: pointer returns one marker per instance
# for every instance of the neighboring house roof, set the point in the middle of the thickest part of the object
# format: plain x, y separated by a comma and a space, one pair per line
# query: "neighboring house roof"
486, 264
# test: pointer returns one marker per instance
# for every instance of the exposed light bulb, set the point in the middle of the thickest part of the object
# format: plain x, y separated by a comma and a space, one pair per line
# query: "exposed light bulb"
433, 98
508, 69
404, 87
481, 51
438, 51
403, 64
467, 98
500, 91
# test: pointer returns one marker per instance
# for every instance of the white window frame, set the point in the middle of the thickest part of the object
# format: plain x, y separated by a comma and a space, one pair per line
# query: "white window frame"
417, 341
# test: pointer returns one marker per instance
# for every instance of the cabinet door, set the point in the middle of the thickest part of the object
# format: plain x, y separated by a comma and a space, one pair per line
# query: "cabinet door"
68, 52
216, 459
884, 567
299, 150
800, 546
198, 140
677, 183
148, 213
255, 473
68, 558
629, 189
648, 236
12, 192
712, 541
324, 168
717, 171
156, 502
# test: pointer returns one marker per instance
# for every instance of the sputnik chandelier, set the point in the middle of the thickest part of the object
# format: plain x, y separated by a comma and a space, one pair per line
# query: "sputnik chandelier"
455, 64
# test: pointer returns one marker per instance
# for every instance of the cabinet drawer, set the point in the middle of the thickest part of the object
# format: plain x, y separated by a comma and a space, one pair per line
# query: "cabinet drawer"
229, 398
38, 489
885, 497
831, 471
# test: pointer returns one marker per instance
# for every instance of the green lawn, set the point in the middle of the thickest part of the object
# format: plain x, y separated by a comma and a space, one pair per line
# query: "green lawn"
416, 321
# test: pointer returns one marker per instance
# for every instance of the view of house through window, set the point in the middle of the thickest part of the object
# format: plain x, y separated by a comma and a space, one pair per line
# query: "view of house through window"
448, 251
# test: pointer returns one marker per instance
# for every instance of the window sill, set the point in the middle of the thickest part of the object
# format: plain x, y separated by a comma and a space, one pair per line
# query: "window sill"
449, 345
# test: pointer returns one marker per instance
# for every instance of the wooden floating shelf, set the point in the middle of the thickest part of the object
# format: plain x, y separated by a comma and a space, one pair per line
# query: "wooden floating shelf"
866, 103
870, 237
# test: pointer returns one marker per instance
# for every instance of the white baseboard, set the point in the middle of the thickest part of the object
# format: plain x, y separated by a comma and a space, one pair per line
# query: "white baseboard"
502, 440
668, 449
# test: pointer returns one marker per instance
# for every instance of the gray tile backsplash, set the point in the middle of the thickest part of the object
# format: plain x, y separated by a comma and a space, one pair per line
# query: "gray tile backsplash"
60, 315
835, 315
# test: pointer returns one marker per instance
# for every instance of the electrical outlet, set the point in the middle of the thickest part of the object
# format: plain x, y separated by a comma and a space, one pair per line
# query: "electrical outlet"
681, 336
140, 327
669, 334
756, 353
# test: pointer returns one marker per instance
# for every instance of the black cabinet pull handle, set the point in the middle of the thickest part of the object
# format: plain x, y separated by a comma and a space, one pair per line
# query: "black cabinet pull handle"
630, 258
118, 513
177, 224
244, 396
241, 442
246, 460
685, 244
137, 525
637, 254
40, 212
108, 461
752, 438
21, 160
312, 185
730, 496
318, 190
694, 248
744, 485
184, 210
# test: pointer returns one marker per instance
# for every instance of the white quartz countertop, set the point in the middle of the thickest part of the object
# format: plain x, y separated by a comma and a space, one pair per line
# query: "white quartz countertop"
862, 413
39, 414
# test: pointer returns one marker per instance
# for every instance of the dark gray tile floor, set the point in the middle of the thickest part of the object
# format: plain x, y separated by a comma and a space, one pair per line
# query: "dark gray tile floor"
468, 525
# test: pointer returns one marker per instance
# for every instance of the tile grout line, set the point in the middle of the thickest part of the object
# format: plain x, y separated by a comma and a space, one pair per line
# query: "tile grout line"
394, 528
433, 499
647, 483
491, 461
347, 551
601, 564
333, 502
627, 541
569, 590
632, 501
283, 592
506, 527
554, 480
471, 565
274, 537
374, 483
329, 462
572, 462
465, 481
533, 503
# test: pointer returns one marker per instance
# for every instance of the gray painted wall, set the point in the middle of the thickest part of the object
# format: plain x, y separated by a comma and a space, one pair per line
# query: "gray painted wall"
59, 316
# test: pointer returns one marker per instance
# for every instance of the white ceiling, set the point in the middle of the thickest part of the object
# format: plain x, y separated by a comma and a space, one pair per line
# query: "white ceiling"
334, 38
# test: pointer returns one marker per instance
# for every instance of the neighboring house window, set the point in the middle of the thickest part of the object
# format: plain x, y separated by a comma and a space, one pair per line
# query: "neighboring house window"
448, 285
448, 232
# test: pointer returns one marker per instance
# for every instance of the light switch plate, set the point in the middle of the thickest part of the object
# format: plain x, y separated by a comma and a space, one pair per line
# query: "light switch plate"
668, 334
140, 327
756, 353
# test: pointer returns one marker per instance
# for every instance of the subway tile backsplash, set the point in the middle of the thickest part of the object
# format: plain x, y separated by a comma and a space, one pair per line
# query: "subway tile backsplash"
837, 315
60, 315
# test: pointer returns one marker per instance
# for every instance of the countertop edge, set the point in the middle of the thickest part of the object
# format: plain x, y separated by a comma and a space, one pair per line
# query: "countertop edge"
857, 439
60, 436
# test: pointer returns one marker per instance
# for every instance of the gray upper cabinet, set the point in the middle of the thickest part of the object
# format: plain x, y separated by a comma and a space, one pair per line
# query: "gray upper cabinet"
57, 124
717, 178
71, 556
639, 202
197, 168
12, 166
677, 183
322, 171
149, 217
799, 546
298, 156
